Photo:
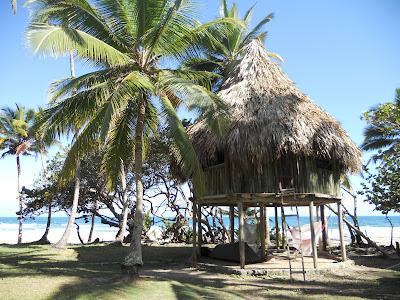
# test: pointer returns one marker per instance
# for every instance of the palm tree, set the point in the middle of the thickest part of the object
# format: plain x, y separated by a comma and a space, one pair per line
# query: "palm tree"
14, 140
133, 44
383, 131
222, 48
63, 241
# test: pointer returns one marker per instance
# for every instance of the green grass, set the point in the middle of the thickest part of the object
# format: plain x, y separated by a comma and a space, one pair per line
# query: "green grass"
93, 272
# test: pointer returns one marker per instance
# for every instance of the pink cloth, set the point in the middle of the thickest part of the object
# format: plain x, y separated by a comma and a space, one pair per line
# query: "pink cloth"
304, 244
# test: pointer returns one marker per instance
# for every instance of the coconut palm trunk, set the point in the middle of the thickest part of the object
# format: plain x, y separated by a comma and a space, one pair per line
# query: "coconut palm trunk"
19, 200
71, 221
125, 210
94, 209
44, 239
132, 262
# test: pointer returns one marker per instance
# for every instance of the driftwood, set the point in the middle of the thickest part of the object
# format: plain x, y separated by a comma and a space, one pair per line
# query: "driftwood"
370, 242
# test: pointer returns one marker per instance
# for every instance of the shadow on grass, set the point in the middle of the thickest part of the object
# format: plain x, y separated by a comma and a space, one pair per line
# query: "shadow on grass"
97, 272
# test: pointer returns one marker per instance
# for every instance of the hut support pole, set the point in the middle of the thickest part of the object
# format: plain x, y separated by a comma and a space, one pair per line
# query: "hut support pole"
342, 244
232, 223
283, 228
313, 242
267, 235
324, 229
194, 221
241, 236
276, 228
262, 223
199, 230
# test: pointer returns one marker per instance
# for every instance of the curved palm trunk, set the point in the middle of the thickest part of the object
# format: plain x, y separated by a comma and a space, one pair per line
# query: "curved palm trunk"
132, 262
71, 221
92, 221
44, 239
123, 223
19, 200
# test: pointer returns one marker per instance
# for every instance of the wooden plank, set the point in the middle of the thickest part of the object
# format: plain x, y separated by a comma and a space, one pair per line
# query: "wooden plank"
241, 236
313, 243
232, 223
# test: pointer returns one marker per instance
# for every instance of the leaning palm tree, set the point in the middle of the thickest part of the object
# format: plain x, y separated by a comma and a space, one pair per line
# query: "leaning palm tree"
14, 140
222, 49
133, 45
383, 131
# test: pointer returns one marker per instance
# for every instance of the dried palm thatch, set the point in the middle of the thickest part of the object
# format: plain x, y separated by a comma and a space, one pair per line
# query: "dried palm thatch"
271, 118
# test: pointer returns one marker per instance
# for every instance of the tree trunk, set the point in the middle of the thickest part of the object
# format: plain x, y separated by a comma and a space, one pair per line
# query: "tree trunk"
44, 239
71, 221
19, 201
123, 223
132, 262
94, 209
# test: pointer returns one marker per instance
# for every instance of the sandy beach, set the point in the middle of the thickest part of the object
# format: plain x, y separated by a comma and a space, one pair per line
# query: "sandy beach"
33, 232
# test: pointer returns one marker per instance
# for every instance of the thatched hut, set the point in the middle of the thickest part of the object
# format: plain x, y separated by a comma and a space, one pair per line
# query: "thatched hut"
278, 141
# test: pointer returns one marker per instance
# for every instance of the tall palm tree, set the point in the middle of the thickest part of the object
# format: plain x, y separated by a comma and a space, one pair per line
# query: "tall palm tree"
133, 45
383, 131
14, 140
222, 48
63, 241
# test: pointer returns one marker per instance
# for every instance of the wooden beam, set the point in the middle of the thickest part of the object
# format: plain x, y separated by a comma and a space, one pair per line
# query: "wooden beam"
232, 223
241, 236
194, 235
199, 230
342, 244
276, 228
313, 242
262, 231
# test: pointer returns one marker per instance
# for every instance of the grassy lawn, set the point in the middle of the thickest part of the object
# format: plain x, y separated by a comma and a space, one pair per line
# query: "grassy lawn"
92, 272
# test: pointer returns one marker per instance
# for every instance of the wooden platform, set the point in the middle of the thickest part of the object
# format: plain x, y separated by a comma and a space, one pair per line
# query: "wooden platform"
267, 199
276, 264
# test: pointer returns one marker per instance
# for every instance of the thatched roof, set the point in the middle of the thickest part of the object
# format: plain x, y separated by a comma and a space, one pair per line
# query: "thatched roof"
271, 117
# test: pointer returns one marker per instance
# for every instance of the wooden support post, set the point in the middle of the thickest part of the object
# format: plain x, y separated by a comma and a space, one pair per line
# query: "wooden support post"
267, 235
283, 228
241, 236
340, 223
262, 231
276, 228
199, 230
232, 223
313, 243
324, 229
194, 235
318, 214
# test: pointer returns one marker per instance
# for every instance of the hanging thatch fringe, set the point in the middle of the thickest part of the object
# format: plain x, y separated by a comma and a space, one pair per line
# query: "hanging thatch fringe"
271, 117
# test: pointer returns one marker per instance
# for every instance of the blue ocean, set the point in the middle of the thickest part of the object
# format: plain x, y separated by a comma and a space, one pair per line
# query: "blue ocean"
57, 222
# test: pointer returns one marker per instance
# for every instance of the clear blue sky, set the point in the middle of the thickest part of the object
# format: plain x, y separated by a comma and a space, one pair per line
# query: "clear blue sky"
344, 54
